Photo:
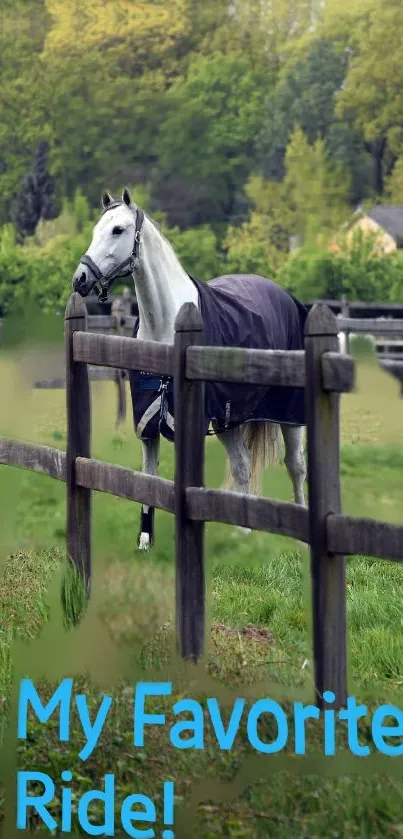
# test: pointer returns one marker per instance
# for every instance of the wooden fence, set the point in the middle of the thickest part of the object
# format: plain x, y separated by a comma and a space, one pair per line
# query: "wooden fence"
387, 328
119, 322
320, 369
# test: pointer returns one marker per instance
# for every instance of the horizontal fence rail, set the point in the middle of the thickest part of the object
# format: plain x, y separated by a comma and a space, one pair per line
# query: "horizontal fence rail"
282, 368
347, 535
125, 483
44, 459
95, 374
373, 326
395, 368
102, 323
365, 537
126, 353
256, 512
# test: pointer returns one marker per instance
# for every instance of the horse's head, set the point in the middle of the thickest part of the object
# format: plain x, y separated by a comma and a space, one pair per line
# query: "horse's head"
114, 247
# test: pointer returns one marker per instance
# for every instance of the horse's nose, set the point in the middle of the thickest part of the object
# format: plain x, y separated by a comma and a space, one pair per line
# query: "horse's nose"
80, 280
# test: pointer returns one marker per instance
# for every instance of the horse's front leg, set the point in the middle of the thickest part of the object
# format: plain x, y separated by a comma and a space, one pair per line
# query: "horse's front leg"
150, 467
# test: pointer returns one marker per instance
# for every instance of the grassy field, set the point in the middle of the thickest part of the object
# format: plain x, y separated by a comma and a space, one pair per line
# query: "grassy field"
259, 643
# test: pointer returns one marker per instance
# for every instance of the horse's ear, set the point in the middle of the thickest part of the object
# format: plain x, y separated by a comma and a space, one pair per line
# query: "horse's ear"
106, 199
126, 197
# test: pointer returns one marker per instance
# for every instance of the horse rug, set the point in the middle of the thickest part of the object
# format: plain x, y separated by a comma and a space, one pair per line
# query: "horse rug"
237, 311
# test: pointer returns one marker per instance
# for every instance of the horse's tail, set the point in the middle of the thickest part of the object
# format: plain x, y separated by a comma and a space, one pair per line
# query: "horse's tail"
263, 439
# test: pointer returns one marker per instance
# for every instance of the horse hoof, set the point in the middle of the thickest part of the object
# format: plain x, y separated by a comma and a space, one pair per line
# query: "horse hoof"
144, 542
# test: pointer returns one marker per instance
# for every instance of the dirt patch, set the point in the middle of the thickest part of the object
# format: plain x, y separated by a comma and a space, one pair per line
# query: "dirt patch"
254, 633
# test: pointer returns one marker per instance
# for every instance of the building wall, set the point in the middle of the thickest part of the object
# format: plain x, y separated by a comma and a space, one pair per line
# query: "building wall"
385, 242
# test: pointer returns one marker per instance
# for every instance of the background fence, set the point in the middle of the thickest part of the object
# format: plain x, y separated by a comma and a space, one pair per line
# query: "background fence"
320, 369
119, 321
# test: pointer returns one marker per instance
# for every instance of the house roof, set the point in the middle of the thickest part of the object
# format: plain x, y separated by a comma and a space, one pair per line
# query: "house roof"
389, 217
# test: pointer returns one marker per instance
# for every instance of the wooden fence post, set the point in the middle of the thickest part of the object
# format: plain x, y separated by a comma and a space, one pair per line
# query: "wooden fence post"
118, 314
189, 471
78, 404
328, 571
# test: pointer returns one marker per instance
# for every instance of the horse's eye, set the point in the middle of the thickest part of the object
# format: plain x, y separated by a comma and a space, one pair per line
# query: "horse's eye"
117, 231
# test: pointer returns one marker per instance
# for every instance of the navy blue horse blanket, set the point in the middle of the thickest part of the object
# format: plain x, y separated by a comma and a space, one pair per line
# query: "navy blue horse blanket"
237, 311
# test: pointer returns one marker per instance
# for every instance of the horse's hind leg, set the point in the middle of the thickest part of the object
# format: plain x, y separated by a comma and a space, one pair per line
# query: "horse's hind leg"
295, 459
150, 467
239, 461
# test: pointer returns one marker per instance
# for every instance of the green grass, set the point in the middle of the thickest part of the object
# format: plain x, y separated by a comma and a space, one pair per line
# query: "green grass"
259, 610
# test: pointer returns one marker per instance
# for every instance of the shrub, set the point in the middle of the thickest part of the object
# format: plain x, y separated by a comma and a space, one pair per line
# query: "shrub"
358, 273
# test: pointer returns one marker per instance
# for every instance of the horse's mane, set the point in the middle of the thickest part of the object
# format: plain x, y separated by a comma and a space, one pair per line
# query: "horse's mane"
158, 228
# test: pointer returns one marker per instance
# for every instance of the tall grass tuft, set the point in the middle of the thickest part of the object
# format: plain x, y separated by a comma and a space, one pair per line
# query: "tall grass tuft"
74, 596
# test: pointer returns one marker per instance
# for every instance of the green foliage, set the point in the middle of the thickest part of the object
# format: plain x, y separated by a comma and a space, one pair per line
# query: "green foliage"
36, 198
314, 273
394, 184
206, 144
240, 125
374, 84
316, 187
81, 210
261, 244
38, 274
305, 95
74, 597
198, 251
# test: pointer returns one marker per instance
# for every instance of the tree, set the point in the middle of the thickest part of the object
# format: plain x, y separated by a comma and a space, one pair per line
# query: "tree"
111, 66
133, 36
36, 199
269, 31
206, 145
24, 117
316, 188
306, 95
394, 184
374, 84
261, 244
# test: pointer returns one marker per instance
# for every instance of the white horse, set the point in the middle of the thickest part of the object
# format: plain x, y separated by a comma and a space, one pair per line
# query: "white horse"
125, 241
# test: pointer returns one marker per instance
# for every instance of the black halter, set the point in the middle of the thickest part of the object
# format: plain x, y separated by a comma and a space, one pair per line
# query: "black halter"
104, 281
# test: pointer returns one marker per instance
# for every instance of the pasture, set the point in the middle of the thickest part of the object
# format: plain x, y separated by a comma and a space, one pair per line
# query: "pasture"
258, 601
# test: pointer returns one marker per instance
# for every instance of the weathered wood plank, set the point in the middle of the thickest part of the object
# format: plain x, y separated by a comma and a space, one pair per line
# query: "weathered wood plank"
258, 367
78, 404
359, 305
328, 571
282, 517
125, 483
189, 471
338, 372
50, 384
96, 374
365, 537
95, 322
125, 353
43, 459
355, 307
266, 367
372, 326
99, 323
395, 368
